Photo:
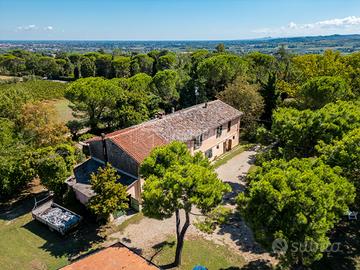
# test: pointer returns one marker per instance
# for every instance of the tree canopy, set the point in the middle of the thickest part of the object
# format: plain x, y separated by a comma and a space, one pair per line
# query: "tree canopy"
174, 181
246, 98
284, 201
319, 91
110, 195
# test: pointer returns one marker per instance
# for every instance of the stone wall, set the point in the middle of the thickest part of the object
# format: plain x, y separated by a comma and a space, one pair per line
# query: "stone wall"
116, 156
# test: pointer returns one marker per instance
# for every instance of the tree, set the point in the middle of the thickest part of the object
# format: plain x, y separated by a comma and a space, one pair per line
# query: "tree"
14, 170
121, 67
352, 62
220, 48
110, 196
48, 67
271, 97
345, 153
174, 181
246, 98
216, 72
74, 127
298, 132
53, 165
142, 63
92, 99
87, 68
75, 59
53, 172
316, 65
319, 91
167, 61
261, 66
131, 108
284, 201
12, 64
164, 85
103, 65
38, 127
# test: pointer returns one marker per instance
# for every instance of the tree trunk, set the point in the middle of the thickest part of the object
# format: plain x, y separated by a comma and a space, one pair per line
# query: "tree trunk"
180, 235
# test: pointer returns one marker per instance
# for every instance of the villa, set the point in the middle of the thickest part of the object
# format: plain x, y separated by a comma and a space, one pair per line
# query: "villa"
212, 128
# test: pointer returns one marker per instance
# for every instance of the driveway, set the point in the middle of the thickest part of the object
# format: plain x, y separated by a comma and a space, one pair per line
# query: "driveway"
234, 171
236, 168
236, 235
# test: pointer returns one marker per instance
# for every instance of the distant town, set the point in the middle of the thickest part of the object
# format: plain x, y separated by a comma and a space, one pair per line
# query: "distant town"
298, 45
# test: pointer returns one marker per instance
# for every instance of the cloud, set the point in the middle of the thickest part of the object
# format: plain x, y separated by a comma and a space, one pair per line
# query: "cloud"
33, 28
29, 27
345, 25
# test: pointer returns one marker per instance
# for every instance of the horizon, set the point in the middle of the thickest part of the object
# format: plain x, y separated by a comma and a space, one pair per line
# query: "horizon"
160, 20
185, 40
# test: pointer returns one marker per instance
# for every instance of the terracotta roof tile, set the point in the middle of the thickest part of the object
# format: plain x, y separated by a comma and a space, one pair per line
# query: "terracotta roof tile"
115, 257
183, 125
138, 142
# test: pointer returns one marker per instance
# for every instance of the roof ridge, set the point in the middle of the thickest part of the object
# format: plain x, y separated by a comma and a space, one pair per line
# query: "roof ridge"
166, 116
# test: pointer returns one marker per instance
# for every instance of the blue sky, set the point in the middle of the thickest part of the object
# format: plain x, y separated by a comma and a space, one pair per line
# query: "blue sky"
175, 19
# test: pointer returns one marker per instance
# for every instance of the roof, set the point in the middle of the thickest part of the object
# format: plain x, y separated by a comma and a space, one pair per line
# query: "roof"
83, 172
115, 257
137, 141
183, 125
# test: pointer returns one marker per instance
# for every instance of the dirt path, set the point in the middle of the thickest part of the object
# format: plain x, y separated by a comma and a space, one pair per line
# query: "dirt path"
236, 235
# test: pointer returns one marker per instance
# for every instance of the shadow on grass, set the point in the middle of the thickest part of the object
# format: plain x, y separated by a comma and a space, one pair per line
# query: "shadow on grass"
158, 248
20, 207
71, 245
77, 241
254, 265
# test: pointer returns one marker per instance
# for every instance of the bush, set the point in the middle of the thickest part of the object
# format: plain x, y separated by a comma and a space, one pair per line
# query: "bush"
220, 215
85, 136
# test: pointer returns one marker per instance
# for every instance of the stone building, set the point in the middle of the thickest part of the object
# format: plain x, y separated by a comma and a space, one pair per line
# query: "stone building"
212, 128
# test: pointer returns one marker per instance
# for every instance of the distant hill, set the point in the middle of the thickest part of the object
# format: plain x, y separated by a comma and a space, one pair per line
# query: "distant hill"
300, 45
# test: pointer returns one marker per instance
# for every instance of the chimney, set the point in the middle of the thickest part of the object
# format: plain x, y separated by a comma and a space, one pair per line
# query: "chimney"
172, 109
104, 147
205, 105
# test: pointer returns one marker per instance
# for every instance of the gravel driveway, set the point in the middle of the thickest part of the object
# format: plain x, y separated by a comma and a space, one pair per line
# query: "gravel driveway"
237, 236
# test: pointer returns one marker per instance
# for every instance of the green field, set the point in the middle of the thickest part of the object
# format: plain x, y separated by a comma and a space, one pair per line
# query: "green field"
198, 251
61, 106
29, 245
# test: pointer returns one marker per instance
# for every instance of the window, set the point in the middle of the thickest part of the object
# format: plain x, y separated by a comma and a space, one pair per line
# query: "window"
209, 153
218, 131
217, 147
229, 126
198, 141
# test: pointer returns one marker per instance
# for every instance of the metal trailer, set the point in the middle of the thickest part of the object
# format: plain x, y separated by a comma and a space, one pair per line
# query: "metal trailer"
55, 216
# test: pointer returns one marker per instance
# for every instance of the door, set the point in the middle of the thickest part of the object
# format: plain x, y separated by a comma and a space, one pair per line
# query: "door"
229, 145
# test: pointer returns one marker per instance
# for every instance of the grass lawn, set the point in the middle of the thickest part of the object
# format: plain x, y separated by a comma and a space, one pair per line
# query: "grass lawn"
135, 219
252, 169
29, 245
198, 251
8, 78
61, 106
229, 155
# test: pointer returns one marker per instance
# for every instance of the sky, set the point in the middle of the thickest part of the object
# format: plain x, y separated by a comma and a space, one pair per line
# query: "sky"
175, 19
